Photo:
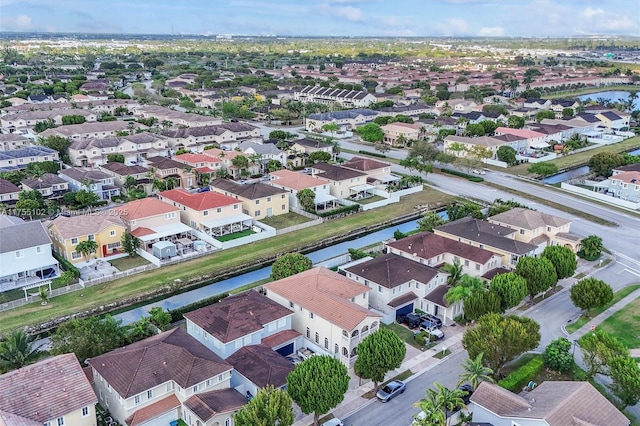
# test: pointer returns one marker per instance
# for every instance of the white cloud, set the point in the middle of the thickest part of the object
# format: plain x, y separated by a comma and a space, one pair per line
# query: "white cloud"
591, 12
452, 27
491, 32
16, 23
349, 13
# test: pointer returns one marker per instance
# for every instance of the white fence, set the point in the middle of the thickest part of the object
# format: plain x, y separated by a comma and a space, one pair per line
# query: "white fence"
390, 198
600, 196
604, 139
550, 156
496, 163
314, 222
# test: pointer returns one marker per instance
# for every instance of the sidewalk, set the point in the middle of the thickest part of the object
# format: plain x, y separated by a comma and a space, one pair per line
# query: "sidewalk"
418, 364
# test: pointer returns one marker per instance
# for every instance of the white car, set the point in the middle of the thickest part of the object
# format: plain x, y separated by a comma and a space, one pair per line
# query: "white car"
479, 172
333, 422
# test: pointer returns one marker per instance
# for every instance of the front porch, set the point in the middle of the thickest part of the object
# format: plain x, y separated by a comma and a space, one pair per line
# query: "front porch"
227, 225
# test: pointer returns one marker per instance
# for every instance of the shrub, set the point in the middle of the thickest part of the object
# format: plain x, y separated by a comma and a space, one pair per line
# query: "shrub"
66, 265
342, 210
373, 154
556, 355
523, 375
176, 314
467, 176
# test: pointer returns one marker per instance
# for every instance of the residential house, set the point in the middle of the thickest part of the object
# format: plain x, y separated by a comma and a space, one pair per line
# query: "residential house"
378, 172
11, 141
308, 146
399, 134
551, 403
408, 110
91, 180
120, 171
176, 118
248, 318
25, 253
556, 132
210, 212
399, 285
344, 183
27, 120
265, 152
199, 163
39, 99
434, 250
462, 146
226, 160
534, 139
51, 392
259, 200
165, 168
559, 105
624, 185
496, 238
330, 310
164, 378
258, 366
537, 103
540, 229
614, 120
19, 159
135, 148
49, 185
347, 120
197, 138
457, 105
9, 193
103, 227
330, 96
295, 182
473, 117
100, 129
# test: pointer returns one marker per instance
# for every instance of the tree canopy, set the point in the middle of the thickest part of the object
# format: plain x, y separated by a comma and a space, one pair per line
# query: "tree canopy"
539, 273
88, 337
307, 198
507, 154
370, 132
379, 353
591, 293
556, 355
290, 264
481, 303
270, 407
511, 288
318, 384
543, 169
563, 259
603, 163
16, 351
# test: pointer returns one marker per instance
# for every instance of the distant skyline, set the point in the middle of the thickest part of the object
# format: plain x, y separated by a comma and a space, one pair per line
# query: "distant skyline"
368, 18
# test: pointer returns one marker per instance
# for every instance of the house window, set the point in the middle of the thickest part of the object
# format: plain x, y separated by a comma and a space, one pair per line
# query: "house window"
136, 399
268, 199
317, 339
219, 210
326, 343
227, 421
112, 233
195, 388
379, 289
257, 213
466, 263
85, 411
221, 377
75, 255
150, 394
522, 232
206, 212
19, 253
60, 421
308, 333
74, 241
283, 207
311, 315
477, 266
235, 206
290, 304
257, 201
91, 237
38, 249
169, 386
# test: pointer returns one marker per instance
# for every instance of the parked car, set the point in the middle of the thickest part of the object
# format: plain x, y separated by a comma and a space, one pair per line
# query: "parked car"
479, 172
469, 391
431, 329
391, 390
432, 318
333, 422
295, 359
411, 320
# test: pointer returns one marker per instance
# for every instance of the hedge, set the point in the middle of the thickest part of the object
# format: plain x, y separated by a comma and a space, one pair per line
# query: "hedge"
523, 375
462, 174
346, 209
177, 314
373, 154
66, 265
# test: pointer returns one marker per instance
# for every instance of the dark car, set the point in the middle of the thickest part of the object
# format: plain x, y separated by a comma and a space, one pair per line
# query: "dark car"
432, 318
412, 320
391, 390
468, 392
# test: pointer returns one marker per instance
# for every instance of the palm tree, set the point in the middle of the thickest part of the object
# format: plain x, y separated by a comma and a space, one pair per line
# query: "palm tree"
454, 270
172, 182
87, 247
449, 399
434, 414
17, 351
44, 295
465, 287
474, 372
592, 246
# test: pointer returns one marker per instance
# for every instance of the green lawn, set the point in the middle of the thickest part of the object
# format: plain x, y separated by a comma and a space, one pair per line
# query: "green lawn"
404, 333
625, 324
586, 91
371, 199
285, 220
617, 296
125, 263
235, 235
213, 265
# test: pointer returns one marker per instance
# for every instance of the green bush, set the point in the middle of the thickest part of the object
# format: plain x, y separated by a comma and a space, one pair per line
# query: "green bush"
373, 154
523, 375
66, 265
475, 179
467, 176
176, 314
346, 209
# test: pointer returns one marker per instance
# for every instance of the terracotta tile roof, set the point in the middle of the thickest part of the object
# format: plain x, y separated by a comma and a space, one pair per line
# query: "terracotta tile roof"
172, 355
335, 173
154, 410
527, 219
427, 245
364, 164
294, 180
627, 177
391, 270
325, 293
198, 201
191, 158
237, 316
525, 133
9, 419
401, 300
485, 233
141, 231
53, 387
86, 224
252, 191
205, 405
143, 208
559, 403
279, 338
261, 365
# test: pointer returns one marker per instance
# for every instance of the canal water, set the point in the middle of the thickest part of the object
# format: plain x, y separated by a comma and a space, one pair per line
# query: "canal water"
611, 96
224, 286
574, 173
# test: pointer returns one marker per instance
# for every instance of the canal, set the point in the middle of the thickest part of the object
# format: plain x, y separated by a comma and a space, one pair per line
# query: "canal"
574, 173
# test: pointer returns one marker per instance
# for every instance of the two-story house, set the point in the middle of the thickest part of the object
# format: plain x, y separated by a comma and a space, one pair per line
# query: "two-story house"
164, 378
10, 141
259, 200
347, 120
399, 285
202, 164
330, 310
344, 183
25, 253
248, 318
540, 229
49, 185
51, 392
378, 172
103, 227
434, 250
398, 134
19, 159
266, 152
496, 238
210, 212
293, 182
614, 120
135, 148
91, 180
99, 129
165, 168
9, 193
120, 171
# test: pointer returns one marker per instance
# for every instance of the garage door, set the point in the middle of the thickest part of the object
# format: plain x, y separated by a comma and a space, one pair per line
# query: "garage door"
286, 350
404, 310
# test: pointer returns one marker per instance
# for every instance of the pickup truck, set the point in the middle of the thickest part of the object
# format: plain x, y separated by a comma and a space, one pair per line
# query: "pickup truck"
305, 353
431, 328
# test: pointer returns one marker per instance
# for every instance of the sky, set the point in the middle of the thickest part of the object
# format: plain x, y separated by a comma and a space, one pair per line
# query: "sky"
511, 18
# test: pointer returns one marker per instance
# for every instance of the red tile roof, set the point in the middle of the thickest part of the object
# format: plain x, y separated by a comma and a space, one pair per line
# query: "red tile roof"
46, 390
143, 208
154, 410
279, 338
141, 231
205, 405
428, 245
198, 201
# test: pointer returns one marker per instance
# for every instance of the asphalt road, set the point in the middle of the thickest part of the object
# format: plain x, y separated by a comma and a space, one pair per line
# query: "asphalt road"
400, 410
